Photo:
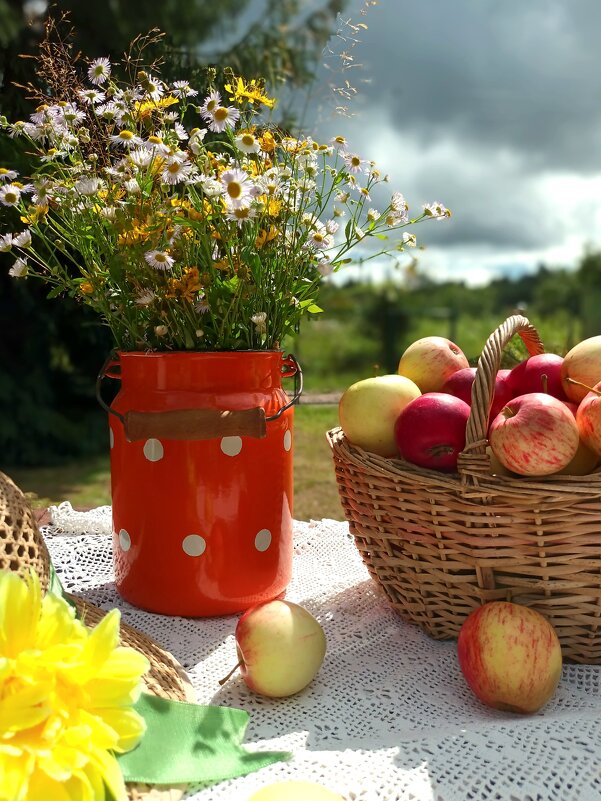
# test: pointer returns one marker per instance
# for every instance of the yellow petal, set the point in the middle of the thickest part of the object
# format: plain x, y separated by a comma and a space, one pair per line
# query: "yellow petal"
19, 612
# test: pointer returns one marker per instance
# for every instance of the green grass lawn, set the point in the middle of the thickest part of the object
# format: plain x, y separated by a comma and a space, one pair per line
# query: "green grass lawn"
87, 483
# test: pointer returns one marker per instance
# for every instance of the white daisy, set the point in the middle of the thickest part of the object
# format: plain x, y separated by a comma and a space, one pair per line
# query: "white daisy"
41, 192
247, 143
161, 330
211, 102
108, 212
159, 259
6, 243
324, 267
22, 240
154, 88
125, 138
320, 239
108, 111
72, 115
223, 117
99, 71
237, 186
132, 186
196, 138
409, 239
175, 171
436, 210
332, 226
10, 195
211, 186
7, 175
373, 215
88, 186
180, 131
398, 203
183, 89
91, 96
145, 297
260, 321
241, 214
140, 157
354, 163
19, 269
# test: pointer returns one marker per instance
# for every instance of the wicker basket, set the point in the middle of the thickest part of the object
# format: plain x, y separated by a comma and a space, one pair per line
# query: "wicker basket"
442, 544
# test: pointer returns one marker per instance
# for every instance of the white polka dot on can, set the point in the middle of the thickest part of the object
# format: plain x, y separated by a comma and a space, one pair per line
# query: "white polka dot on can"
153, 450
124, 540
287, 440
263, 539
111, 438
231, 446
194, 545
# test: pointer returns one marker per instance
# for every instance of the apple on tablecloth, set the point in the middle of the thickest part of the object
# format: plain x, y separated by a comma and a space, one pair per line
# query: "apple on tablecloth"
510, 656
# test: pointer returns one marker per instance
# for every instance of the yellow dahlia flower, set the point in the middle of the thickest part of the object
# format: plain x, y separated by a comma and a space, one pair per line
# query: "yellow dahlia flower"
66, 694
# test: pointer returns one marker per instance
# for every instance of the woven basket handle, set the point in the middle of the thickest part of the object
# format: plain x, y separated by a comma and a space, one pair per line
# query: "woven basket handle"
484, 384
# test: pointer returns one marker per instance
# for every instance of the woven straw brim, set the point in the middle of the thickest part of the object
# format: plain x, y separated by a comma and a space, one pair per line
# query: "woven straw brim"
22, 548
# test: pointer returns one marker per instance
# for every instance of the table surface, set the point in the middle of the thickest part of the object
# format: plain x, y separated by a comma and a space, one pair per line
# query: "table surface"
389, 716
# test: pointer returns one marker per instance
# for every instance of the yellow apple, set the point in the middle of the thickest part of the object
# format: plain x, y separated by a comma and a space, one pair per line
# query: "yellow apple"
431, 361
295, 791
510, 656
369, 408
582, 363
280, 648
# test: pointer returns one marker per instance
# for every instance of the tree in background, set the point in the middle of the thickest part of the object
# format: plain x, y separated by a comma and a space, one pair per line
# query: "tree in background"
50, 353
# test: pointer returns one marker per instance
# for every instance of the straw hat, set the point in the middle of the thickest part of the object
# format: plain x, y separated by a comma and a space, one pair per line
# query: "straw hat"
21, 548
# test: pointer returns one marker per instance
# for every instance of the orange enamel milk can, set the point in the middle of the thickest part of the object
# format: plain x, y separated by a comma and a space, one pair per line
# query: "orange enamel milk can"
201, 449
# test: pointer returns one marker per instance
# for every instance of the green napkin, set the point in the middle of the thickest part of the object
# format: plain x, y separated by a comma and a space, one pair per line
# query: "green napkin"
191, 743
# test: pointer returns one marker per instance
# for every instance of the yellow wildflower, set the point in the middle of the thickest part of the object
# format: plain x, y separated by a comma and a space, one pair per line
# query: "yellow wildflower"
86, 288
250, 92
186, 287
263, 237
267, 142
143, 110
66, 694
35, 215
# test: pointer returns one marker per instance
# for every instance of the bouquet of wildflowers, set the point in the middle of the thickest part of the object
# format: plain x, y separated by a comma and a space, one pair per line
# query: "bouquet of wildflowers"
188, 222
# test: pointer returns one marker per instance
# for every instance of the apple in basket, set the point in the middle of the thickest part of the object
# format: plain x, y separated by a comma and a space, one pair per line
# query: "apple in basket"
430, 431
460, 384
582, 364
534, 435
430, 361
539, 373
280, 647
510, 656
368, 410
588, 419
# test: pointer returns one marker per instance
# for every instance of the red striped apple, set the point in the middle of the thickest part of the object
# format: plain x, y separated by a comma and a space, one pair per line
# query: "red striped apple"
368, 410
582, 363
588, 419
430, 361
510, 656
534, 435
430, 431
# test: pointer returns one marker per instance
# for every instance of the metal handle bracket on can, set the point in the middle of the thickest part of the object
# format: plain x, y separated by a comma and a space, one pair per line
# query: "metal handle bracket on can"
196, 424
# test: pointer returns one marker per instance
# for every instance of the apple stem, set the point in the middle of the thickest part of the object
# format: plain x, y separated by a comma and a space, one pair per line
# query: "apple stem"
231, 673
580, 384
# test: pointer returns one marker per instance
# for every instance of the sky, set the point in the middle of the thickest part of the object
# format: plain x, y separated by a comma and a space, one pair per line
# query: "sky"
492, 108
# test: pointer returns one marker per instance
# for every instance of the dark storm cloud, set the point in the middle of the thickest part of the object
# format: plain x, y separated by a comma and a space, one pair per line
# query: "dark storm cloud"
519, 75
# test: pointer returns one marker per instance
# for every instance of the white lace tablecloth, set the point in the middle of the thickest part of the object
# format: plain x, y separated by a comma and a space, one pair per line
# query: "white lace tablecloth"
389, 716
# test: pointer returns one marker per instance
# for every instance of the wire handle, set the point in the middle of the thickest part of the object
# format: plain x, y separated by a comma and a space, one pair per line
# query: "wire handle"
195, 424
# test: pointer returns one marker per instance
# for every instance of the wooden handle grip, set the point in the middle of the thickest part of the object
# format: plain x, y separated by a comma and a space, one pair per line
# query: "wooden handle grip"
194, 424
